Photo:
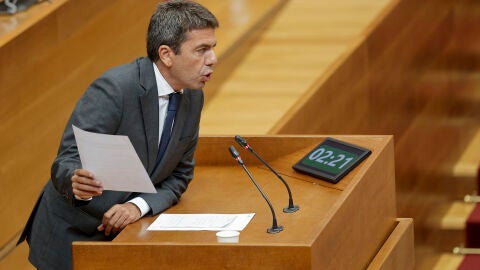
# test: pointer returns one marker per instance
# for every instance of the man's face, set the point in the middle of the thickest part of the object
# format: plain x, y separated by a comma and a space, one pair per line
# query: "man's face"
193, 65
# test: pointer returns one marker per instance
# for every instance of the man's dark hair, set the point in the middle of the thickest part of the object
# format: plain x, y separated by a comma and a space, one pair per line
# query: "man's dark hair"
172, 20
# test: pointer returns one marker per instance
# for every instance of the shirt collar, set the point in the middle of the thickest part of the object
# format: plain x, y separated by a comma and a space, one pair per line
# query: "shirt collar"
163, 87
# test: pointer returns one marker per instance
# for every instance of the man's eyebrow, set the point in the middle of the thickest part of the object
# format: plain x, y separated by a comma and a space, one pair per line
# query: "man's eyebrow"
207, 45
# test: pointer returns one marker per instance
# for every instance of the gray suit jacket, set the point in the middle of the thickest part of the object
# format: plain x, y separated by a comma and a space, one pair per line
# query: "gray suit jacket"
123, 101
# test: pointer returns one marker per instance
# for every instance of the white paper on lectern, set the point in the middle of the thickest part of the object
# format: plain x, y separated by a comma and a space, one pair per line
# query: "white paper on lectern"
113, 161
200, 222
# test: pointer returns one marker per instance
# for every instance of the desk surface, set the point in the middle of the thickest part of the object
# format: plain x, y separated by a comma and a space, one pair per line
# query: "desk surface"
229, 190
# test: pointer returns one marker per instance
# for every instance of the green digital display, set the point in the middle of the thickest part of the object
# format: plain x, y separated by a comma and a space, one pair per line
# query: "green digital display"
331, 160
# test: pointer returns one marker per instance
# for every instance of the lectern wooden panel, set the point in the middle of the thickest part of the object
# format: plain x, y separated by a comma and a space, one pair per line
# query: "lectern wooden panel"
338, 226
397, 251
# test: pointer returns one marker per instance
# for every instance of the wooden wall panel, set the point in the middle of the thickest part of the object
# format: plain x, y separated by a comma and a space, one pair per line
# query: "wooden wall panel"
336, 103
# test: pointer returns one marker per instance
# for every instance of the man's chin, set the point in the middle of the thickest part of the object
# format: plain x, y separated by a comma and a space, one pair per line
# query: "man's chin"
200, 86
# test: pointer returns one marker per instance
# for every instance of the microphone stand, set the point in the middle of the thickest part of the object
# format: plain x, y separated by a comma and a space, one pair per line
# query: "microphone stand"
291, 207
275, 228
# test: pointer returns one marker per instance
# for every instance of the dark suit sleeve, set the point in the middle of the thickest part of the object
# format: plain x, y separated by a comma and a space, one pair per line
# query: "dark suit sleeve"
98, 110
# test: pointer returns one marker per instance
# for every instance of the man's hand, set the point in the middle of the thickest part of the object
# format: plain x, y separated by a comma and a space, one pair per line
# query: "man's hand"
118, 217
84, 185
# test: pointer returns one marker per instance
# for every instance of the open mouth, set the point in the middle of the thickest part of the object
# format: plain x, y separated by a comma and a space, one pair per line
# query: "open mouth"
207, 76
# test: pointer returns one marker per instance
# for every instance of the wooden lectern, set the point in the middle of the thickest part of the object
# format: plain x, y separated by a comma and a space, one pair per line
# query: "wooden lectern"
348, 225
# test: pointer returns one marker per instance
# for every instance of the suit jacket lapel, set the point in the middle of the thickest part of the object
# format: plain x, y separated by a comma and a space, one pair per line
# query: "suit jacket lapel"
149, 103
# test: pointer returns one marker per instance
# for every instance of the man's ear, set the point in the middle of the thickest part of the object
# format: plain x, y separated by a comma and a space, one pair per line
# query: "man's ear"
165, 55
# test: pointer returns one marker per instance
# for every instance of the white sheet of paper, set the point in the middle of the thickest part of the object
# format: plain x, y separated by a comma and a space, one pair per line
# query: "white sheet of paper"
113, 161
200, 222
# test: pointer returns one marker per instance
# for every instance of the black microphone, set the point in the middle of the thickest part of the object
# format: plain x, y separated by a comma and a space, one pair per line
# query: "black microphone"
291, 207
275, 228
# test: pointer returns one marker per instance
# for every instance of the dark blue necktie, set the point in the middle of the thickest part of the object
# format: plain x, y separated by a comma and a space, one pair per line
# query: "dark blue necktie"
167, 127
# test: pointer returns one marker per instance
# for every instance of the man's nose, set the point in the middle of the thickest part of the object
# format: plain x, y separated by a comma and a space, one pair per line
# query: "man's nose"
211, 59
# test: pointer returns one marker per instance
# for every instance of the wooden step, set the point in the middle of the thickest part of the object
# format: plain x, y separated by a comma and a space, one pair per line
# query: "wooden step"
439, 223
429, 259
241, 23
452, 216
448, 261
303, 42
469, 162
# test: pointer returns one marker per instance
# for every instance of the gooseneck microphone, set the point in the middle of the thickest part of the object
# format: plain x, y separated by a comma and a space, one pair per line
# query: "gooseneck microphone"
291, 207
275, 228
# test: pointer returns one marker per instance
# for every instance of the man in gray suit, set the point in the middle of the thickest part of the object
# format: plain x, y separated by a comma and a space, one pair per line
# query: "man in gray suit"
129, 100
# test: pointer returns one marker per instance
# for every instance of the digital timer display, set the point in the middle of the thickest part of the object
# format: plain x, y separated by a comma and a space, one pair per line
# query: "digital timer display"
331, 160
